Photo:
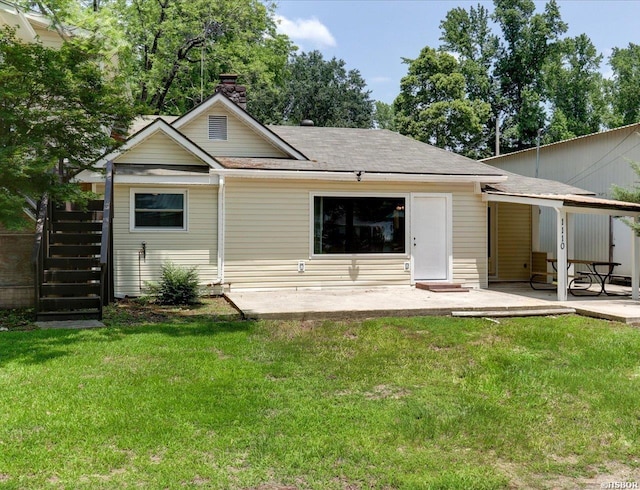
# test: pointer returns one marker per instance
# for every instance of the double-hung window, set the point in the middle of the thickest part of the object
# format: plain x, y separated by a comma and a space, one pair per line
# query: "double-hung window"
159, 210
358, 225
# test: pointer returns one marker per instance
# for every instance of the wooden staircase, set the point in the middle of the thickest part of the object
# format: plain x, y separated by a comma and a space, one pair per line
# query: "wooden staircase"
71, 274
73, 259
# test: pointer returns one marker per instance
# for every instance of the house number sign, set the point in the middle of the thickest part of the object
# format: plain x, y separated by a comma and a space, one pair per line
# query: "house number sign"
562, 245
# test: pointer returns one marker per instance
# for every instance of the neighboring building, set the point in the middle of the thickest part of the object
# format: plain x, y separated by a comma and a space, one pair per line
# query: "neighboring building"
256, 207
594, 162
16, 270
32, 26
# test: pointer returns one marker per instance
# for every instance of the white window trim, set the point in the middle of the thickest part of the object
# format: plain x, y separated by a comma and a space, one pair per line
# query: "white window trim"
160, 229
226, 127
405, 255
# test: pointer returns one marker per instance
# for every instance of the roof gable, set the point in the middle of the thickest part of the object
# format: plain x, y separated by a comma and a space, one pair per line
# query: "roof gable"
257, 135
159, 142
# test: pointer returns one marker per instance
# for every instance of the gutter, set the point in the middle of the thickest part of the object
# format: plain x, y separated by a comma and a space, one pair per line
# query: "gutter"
350, 176
221, 213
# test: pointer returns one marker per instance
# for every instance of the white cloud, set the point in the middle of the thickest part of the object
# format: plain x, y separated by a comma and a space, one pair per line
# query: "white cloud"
310, 30
381, 79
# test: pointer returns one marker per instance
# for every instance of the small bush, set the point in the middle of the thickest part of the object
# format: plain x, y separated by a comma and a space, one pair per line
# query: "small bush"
178, 286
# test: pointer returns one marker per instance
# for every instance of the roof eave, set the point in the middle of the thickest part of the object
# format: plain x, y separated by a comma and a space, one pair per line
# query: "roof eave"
360, 176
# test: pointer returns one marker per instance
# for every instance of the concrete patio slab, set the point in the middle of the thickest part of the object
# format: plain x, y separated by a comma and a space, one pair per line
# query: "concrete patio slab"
408, 301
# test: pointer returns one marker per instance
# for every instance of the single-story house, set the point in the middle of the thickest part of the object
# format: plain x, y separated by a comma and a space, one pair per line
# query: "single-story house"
594, 162
271, 207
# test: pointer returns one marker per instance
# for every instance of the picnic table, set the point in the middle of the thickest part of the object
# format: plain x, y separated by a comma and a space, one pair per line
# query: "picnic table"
597, 270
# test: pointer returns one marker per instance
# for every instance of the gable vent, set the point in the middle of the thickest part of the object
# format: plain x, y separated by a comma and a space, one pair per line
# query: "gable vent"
218, 128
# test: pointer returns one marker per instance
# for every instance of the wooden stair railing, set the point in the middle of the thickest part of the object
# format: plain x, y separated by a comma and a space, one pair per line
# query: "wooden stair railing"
73, 259
106, 244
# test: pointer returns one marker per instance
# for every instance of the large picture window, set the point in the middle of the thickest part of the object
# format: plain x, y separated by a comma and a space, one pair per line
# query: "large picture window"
159, 210
358, 225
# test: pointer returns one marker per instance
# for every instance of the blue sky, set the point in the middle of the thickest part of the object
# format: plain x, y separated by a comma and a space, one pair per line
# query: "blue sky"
373, 36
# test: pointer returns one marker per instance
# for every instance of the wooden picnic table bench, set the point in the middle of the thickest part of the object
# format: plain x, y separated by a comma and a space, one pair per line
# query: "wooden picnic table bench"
598, 270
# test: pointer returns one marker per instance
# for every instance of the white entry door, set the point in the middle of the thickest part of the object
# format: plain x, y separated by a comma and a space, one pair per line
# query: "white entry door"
431, 225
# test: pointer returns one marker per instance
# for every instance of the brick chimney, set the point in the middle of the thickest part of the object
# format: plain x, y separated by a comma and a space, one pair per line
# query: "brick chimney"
228, 86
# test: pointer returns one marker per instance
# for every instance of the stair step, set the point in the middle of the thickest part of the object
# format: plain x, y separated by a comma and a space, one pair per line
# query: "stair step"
73, 250
71, 303
71, 263
69, 289
50, 316
76, 226
93, 205
75, 216
71, 276
74, 238
442, 287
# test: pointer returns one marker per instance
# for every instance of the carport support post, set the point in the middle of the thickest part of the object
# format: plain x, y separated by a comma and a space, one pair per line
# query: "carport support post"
635, 263
561, 241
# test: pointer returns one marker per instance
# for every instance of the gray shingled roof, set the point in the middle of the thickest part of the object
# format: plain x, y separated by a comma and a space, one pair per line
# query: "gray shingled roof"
380, 151
519, 184
376, 151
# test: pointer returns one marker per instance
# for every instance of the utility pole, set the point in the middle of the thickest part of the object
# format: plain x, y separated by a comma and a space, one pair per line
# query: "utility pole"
538, 153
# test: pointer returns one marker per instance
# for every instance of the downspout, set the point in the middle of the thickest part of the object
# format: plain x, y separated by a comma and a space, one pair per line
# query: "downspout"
221, 213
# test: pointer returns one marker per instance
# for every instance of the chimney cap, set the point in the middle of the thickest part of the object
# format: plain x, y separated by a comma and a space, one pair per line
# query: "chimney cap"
306, 122
228, 78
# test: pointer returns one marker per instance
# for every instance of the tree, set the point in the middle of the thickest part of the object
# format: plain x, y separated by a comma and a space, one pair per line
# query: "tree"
323, 91
56, 106
574, 87
528, 41
384, 116
629, 194
468, 35
179, 48
433, 106
624, 93
173, 51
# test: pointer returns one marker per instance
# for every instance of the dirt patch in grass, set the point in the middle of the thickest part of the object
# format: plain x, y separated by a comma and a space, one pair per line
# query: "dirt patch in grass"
611, 475
133, 312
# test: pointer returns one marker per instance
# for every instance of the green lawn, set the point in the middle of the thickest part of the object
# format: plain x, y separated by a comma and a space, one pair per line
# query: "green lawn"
181, 399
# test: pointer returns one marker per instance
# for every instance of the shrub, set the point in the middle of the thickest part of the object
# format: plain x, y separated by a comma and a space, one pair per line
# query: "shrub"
177, 286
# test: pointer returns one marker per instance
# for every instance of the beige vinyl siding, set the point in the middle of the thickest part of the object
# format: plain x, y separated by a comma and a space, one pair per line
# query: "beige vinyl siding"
195, 247
159, 148
513, 242
268, 230
242, 141
48, 37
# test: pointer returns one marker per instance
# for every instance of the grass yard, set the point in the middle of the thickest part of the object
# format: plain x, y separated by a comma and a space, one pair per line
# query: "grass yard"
183, 399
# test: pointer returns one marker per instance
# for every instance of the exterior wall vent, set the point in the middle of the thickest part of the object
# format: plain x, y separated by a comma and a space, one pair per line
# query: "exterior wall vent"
218, 128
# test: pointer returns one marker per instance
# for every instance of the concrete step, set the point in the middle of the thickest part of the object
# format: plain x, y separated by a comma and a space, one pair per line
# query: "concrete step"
514, 312
441, 287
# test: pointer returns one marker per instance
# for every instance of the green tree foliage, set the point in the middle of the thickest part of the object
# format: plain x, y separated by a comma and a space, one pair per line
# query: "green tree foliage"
173, 51
433, 106
574, 87
384, 116
323, 91
625, 83
629, 194
179, 48
468, 35
56, 106
528, 41
523, 71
